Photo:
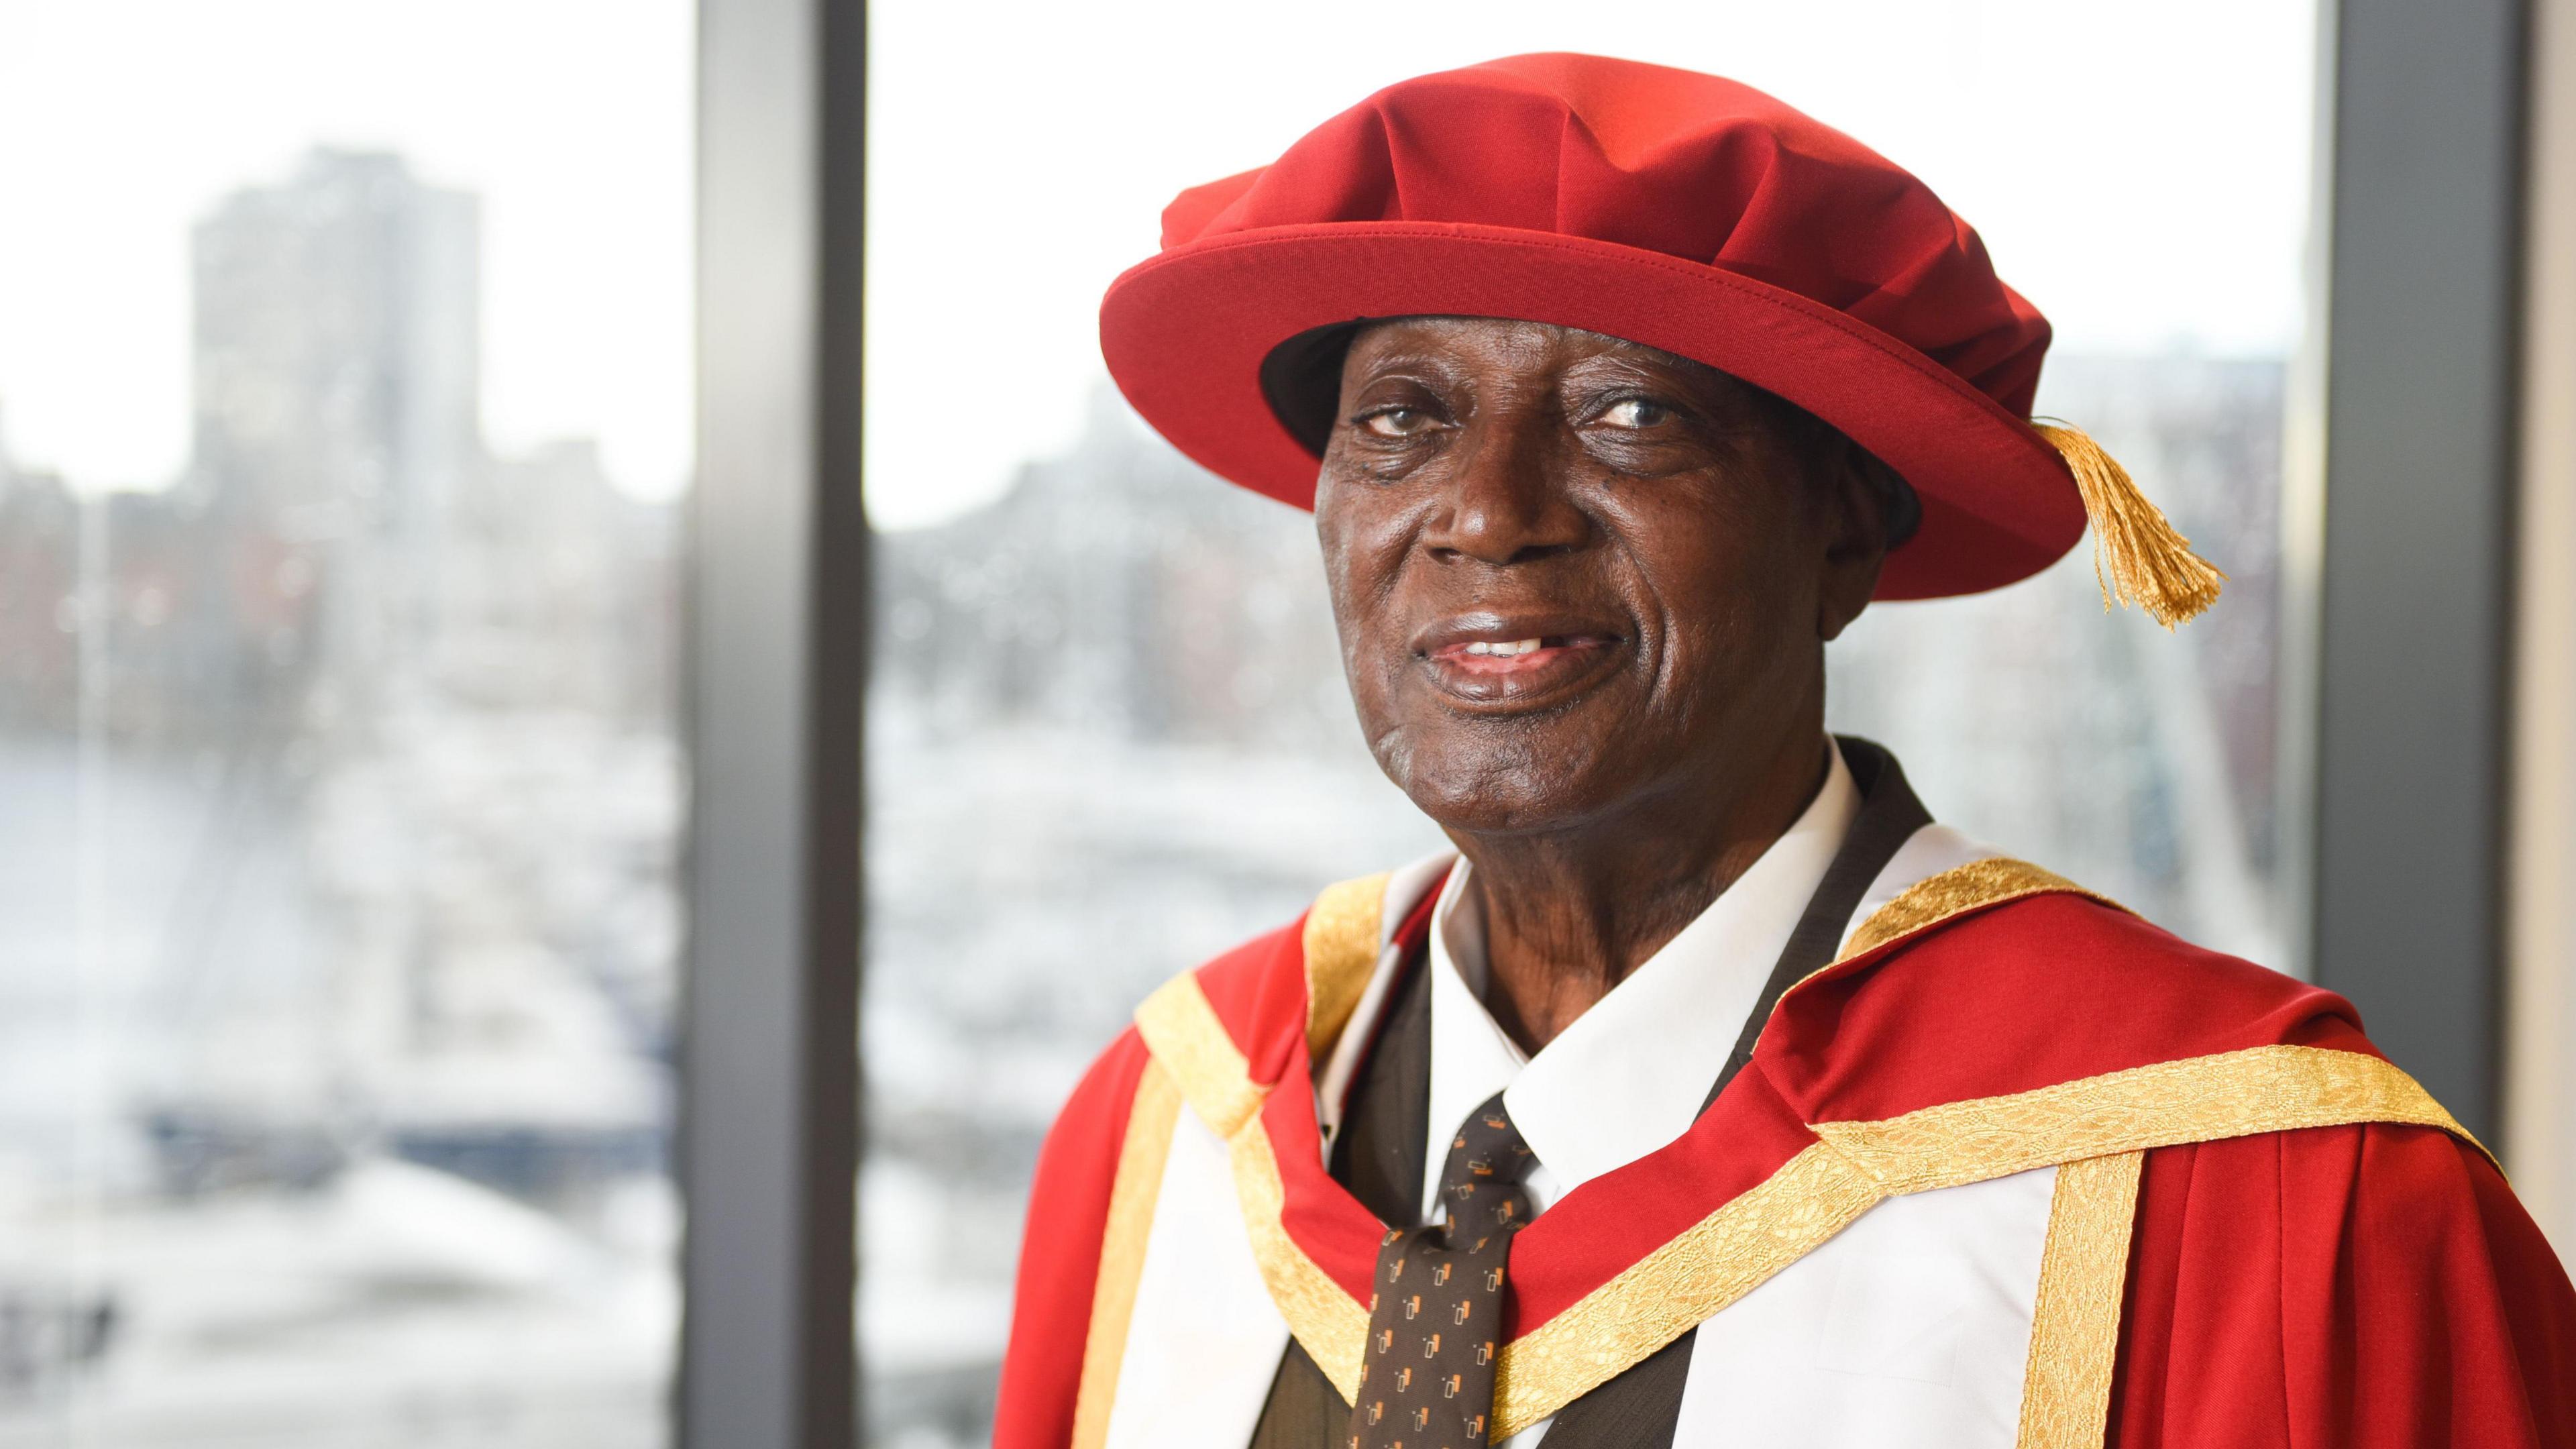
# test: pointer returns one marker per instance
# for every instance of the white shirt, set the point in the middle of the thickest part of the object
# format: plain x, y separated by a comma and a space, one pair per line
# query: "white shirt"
1627, 1076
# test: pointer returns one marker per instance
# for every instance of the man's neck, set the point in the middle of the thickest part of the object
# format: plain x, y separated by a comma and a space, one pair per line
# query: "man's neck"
1569, 914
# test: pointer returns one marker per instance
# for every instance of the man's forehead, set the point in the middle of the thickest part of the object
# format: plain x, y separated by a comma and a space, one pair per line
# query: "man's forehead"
1393, 339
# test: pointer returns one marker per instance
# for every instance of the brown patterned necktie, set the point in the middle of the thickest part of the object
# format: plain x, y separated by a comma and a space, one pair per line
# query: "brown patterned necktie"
1436, 1312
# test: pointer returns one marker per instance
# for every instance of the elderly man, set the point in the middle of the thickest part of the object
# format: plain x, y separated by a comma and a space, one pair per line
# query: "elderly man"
1711, 1093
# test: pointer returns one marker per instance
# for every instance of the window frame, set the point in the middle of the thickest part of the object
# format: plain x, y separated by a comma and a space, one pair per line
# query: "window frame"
775, 679
2421, 157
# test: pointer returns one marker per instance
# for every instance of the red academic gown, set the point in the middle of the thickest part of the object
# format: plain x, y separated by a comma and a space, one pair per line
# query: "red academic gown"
2317, 1258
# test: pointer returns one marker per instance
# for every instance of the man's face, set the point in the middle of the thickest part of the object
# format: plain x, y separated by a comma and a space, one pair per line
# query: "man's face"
1573, 574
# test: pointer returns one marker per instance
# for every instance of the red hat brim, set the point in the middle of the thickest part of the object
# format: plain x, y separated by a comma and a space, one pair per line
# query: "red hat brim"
1185, 335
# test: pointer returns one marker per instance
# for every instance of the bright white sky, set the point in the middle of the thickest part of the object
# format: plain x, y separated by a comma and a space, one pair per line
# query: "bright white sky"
2141, 171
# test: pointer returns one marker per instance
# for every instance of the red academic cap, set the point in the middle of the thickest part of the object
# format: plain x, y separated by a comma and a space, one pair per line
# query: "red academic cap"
1683, 211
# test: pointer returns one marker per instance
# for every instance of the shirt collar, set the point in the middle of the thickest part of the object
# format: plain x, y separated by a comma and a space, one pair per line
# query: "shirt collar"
1629, 1075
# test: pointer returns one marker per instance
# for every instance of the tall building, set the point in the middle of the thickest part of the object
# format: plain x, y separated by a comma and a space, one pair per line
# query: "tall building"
336, 337
337, 333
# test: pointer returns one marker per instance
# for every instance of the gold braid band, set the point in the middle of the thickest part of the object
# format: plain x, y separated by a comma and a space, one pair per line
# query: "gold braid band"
2075, 1318
1851, 1167
1148, 1145
1341, 941
1974, 886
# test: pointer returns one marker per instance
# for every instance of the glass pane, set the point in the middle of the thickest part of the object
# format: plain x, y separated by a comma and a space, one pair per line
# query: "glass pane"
344, 368
1110, 734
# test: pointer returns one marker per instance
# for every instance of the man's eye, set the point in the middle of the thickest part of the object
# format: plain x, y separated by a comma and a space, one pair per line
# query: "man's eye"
1397, 422
1636, 412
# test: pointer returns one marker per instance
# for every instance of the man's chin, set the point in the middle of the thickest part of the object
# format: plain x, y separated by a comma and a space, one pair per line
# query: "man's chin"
1485, 793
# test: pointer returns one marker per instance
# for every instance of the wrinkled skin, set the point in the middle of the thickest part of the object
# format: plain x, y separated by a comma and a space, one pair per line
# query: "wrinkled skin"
1680, 548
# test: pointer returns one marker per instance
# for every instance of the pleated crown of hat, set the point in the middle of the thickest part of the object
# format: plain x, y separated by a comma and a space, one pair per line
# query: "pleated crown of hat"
1683, 211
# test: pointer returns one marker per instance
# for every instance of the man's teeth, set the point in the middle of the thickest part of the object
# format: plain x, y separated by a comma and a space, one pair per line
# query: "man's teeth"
1514, 646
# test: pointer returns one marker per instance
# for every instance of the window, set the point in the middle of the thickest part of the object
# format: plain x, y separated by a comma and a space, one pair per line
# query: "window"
1109, 736
345, 381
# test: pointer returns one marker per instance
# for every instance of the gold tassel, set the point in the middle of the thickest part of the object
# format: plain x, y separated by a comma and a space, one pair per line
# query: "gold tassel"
2138, 558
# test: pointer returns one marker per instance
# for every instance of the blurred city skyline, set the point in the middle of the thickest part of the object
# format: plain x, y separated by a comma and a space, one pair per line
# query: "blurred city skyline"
339, 925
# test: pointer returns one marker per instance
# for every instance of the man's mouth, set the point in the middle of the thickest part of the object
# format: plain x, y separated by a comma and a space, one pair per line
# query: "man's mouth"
1511, 656
1488, 661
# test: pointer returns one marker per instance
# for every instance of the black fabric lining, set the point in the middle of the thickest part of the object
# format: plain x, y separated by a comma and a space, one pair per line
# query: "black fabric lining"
1301, 379
1889, 816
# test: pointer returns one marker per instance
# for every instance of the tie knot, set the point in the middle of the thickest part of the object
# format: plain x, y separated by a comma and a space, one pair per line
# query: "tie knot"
1480, 1186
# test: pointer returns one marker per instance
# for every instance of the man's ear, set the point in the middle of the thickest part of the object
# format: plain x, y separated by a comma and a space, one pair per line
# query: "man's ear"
1856, 541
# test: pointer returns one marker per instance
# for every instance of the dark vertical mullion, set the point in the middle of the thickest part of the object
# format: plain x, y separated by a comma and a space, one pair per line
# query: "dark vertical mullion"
839, 653
777, 598
2423, 282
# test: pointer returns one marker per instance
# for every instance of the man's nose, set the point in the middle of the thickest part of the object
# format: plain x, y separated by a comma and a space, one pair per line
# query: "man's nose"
1507, 500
